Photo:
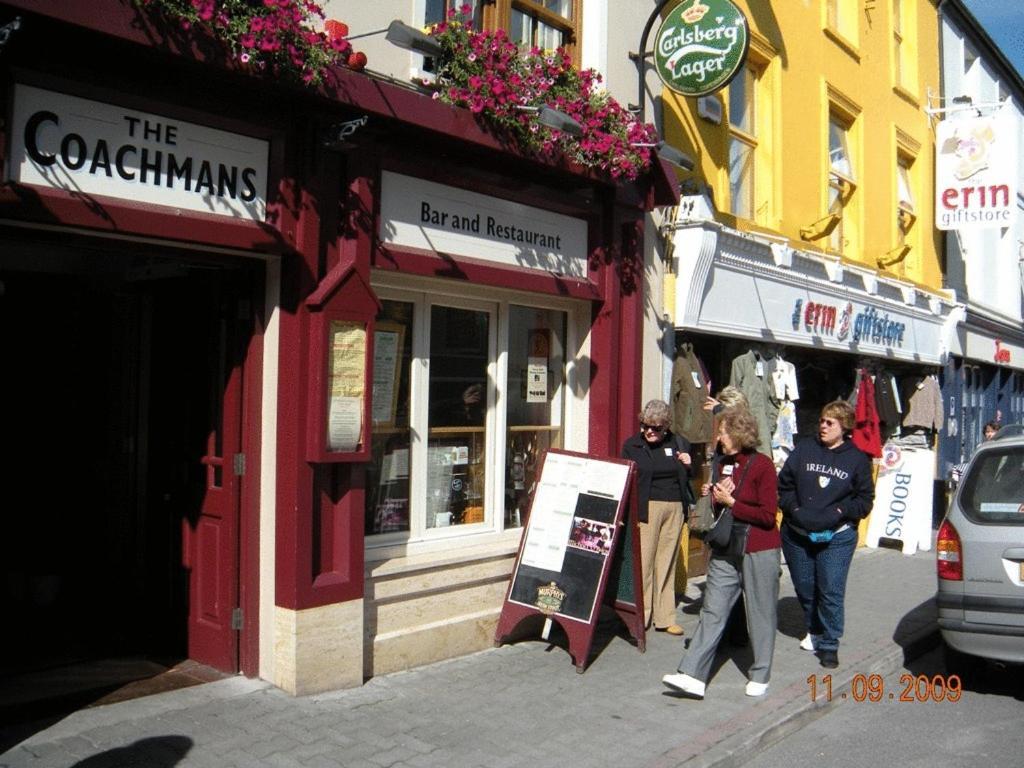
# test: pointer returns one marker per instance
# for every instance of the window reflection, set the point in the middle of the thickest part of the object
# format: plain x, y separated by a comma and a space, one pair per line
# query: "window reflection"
534, 401
456, 445
387, 486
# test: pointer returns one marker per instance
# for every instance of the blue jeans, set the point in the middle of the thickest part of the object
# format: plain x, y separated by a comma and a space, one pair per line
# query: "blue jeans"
819, 575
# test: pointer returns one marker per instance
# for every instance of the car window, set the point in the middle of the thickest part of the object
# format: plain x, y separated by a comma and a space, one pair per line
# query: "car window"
993, 490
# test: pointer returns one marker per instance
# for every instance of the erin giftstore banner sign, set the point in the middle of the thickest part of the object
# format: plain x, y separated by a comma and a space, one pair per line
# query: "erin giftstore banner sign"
435, 217
976, 172
93, 148
700, 46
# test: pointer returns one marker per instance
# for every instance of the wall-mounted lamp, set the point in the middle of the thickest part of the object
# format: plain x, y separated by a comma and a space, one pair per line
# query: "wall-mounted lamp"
411, 39
335, 137
556, 119
667, 152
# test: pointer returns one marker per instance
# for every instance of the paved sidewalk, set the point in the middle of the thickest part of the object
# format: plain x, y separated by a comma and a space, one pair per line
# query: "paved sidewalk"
521, 704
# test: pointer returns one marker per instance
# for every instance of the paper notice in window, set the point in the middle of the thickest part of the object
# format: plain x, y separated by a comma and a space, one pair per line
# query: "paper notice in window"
344, 423
537, 380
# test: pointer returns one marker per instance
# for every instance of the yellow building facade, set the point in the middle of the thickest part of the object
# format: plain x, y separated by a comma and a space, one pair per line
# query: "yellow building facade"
804, 265
823, 137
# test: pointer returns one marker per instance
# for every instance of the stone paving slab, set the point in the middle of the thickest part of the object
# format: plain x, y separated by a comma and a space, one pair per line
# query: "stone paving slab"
521, 704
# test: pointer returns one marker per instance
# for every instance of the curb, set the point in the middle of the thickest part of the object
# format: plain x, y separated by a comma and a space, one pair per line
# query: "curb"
793, 708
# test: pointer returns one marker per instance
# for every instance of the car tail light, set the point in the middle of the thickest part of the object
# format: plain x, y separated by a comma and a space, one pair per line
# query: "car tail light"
949, 553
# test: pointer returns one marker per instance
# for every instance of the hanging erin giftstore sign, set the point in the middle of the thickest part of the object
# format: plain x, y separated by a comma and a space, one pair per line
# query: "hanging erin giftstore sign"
976, 172
700, 46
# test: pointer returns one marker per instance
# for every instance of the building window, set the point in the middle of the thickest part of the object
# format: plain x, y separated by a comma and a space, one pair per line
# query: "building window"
904, 40
742, 143
897, 40
544, 24
970, 57
467, 397
841, 180
841, 17
436, 11
906, 214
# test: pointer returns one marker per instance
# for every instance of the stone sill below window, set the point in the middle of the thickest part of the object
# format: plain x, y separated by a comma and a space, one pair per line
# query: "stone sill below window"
843, 43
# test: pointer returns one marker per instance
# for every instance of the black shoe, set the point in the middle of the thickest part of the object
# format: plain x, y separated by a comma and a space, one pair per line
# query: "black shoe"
828, 659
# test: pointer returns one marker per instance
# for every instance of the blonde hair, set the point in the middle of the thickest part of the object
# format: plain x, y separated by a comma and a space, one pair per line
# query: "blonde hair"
732, 396
841, 411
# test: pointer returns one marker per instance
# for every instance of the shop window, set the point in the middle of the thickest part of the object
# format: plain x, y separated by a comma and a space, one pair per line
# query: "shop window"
841, 180
742, 143
467, 397
387, 491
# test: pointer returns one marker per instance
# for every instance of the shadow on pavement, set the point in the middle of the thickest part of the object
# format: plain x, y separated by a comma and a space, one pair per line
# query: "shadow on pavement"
153, 752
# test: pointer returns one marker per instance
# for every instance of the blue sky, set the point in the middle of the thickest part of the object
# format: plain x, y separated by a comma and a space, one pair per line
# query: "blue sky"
1003, 20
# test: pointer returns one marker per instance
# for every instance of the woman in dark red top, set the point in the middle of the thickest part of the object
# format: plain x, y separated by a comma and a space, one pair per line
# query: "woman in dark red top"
746, 484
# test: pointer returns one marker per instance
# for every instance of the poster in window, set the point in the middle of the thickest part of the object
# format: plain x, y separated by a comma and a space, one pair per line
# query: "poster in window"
346, 385
388, 339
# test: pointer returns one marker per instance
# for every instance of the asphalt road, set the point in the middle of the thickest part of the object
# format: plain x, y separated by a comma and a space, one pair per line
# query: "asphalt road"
896, 721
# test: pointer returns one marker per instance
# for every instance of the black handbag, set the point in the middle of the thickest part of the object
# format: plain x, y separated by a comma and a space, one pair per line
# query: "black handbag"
728, 536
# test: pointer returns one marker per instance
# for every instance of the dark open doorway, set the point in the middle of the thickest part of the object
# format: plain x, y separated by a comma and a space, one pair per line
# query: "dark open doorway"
121, 411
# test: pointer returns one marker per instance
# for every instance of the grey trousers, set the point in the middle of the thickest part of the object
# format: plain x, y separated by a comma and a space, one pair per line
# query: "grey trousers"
757, 576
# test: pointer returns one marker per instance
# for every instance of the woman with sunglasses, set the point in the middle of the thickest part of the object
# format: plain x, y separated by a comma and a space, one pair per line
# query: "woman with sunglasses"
663, 491
825, 489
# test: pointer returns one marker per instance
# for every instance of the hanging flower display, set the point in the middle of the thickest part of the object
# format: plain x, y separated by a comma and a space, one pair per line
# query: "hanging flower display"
487, 73
483, 71
279, 35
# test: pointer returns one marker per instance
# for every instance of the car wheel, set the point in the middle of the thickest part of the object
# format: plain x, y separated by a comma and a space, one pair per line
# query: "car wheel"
968, 668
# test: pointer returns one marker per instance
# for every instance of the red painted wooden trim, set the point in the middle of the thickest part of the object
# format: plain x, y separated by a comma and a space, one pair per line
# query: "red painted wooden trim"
416, 261
115, 216
249, 533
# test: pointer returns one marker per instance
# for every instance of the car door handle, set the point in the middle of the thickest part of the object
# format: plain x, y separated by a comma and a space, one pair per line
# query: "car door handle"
1014, 553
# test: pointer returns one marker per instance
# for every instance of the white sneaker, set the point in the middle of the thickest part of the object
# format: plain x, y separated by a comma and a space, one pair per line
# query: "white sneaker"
807, 643
756, 689
685, 683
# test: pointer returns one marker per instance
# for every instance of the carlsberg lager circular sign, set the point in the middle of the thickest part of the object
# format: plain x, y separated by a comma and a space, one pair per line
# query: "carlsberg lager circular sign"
700, 46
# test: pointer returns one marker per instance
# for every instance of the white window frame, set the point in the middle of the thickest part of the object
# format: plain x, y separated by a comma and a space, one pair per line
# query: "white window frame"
423, 293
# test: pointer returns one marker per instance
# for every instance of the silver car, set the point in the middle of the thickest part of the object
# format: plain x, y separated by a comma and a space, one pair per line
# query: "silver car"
980, 557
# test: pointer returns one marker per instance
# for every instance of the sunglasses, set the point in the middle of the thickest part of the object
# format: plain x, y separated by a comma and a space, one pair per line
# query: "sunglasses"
652, 427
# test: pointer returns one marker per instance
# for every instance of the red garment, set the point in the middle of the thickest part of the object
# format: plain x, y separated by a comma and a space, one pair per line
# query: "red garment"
758, 501
867, 434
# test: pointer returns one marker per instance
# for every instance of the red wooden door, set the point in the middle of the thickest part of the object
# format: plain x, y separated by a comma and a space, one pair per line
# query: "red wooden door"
211, 539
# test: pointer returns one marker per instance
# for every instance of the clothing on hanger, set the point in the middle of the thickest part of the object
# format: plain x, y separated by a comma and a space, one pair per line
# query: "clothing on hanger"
924, 403
751, 375
689, 391
866, 432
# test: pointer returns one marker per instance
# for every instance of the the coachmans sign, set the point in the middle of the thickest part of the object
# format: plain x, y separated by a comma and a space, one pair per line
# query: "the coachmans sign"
701, 46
